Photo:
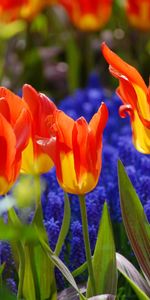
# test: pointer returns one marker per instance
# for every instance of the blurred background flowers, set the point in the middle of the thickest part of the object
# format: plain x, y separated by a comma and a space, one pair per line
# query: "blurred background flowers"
59, 41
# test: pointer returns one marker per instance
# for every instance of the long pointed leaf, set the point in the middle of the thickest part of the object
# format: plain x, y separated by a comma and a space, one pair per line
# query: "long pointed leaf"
43, 267
103, 297
135, 279
104, 259
29, 288
70, 293
58, 263
136, 224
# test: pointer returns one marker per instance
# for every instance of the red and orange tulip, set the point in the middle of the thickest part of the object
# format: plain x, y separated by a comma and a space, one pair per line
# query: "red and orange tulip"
138, 13
88, 15
34, 161
9, 4
24, 9
33, 7
135, 96
14, 135
76, 147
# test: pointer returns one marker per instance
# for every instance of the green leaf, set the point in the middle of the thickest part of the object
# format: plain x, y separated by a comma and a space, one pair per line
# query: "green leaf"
64, 227
40, 24
104, 258
6, 295
135, 221
1, 271
16, 232
9, 30
103, 297
36, 272
80, 270
137, 282
44, 268
59, 264
23, 258
29, 289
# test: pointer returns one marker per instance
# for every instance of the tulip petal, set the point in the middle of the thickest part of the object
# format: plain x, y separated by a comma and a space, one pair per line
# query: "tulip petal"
98, 122
39, 163
41, 107
64, 126
22, 130
14, 102
120, 68
7, 149
80, 137
4, 109
135, 96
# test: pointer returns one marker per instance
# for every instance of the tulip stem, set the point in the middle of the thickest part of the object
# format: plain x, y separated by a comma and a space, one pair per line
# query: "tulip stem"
87, 242
37, 186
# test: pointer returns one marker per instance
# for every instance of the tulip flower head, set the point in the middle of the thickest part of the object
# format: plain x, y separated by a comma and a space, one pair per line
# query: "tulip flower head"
9, 4
11, 10
138, 13
33, 7
76, 147
135, 96
14, 135
88, 15
34, 160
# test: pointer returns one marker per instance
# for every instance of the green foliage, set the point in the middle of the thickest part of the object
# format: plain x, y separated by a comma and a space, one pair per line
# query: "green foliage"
59, 264
9, 30
17, 232
65, 225
135, 279
5, 294
104, 258
136, 224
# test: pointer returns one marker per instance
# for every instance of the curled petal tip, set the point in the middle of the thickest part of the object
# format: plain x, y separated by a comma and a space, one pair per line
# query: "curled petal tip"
126, 109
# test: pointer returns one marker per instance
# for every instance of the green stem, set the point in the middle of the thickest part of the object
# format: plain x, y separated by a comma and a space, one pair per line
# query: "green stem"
74, 61
37, 186
64, 227
18, 252
87, 242
21, 270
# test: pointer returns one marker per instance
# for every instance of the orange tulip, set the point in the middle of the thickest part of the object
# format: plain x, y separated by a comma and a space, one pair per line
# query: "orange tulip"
33, 7
76, 147
14, 135
34, 161
136, 98
22, 9
138, 13
88, 15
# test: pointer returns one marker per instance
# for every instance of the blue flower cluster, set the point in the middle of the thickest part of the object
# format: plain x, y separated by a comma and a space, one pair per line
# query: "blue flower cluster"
117, 144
